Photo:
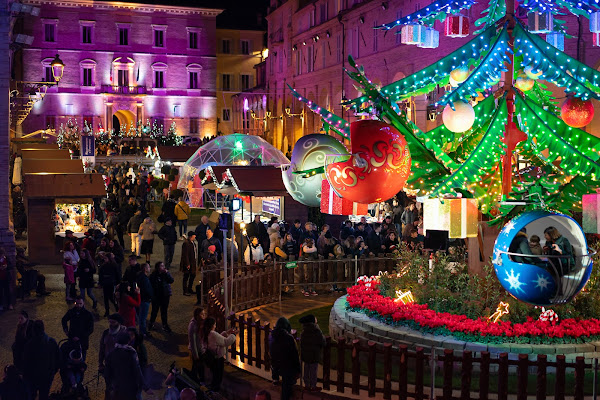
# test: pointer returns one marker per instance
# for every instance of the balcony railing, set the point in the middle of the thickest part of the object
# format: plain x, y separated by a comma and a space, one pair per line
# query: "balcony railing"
116, 89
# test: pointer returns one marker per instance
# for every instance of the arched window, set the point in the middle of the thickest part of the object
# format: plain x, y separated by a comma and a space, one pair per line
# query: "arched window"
87, 72
159, 70
194, 71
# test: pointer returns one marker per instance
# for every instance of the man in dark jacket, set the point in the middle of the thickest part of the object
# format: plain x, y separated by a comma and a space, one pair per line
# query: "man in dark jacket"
210, 240
41, 360
257, 228
284, 356
347, 230
297, 231
133, 227
146, 295
375, 241
168, 235
125, 214
78, 324
133, 269
201, 229
189, 262
123, 375
161, 281
312, 342
168, 209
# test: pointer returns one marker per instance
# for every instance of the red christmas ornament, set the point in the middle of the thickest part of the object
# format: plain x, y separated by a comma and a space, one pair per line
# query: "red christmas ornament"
456, 26
378, 168
577, 113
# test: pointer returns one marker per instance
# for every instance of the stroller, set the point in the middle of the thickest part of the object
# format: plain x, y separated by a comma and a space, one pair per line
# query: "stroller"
72, 370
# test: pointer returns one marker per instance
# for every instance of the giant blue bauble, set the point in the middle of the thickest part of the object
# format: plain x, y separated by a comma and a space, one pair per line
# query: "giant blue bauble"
539, 283
309, 153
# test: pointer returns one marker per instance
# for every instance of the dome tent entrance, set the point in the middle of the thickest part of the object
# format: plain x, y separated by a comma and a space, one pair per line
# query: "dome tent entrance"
236, 149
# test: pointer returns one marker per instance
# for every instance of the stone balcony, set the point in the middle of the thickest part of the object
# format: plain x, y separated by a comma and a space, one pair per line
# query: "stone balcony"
116, 89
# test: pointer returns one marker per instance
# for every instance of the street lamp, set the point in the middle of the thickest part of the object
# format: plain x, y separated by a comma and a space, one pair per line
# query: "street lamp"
58, 68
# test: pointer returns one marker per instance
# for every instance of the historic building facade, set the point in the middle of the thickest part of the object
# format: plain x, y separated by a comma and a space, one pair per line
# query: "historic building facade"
125, 63
309, 43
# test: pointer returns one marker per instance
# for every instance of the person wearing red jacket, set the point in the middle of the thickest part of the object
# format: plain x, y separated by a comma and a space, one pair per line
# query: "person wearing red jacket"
129, 298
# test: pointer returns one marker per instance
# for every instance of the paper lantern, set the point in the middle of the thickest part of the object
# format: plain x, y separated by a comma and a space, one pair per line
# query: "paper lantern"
556, 39
591, 212
333, 204
460, 74
456, 26
540, 22
432, 39
577, 113
524, 83
379, 165
460, 119
457, 216
412, 34
309, 156
595, 22
532, 73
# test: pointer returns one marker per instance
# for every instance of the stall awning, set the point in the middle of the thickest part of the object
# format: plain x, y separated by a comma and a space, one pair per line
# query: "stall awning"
261, 181
36, 146
32, 165
176, 153
43, 185
46, 154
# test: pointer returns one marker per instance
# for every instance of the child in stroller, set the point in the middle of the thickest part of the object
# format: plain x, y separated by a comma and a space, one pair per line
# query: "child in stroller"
72, 367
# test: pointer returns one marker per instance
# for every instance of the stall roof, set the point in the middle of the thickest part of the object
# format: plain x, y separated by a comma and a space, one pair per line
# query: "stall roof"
52, 166
259, 181
45, 154
43, 185
176, 153
37, 146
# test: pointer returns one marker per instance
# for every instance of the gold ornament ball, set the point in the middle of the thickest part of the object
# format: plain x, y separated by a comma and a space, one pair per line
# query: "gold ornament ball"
524, 83
460, 74
460, 119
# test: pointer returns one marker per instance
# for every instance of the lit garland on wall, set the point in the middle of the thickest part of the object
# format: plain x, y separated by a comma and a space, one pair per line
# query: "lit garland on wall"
436, 11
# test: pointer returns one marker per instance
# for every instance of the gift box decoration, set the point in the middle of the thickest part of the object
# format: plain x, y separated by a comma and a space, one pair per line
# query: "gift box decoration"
432, 39
596, 39
333, 204
540, 22
412, 34
456, 26
556, 39
595, 22
590, 220
458, 216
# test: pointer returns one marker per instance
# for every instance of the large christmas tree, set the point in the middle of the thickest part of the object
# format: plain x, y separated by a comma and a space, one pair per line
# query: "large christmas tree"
517, 121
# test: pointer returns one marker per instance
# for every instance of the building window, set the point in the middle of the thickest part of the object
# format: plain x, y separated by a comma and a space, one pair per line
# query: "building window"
194, 126
87, 77
324, 48
159, 38
375, 31
159, 79
226, 46
309, 59
123, 77
338, 53
226, 114
86, 34
193, 36
177, 111
50, 32
245, 46
299, 62
311, 18
226, 82
124, 36
245, 81
48, 77
323, 13
193, 80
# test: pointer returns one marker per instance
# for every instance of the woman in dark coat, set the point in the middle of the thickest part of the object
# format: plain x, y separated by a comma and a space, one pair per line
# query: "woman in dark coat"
22, 336
86, 271
284, 356
312, 342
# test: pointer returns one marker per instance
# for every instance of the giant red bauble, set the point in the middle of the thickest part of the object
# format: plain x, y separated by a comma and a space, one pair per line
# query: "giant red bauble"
379, 165
577, 113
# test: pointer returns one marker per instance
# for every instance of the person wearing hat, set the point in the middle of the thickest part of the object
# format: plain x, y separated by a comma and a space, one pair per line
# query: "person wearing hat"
123, 375
109, 339
89, 242
189, 262
312, 342
168, 235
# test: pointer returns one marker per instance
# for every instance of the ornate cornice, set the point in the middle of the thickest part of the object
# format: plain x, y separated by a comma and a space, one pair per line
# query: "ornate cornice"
117, 5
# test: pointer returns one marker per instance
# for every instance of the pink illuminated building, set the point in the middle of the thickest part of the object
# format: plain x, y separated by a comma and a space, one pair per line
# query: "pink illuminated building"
124, 63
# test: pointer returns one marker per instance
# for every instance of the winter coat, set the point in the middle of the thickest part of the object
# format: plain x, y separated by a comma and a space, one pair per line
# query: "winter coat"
182, 211
296, 233
123, 374
71, 257
86, 271
257, 254
168, 209
189, 253
127, 305
22, 336
79, 322
290, 248
147, 229
201, 232
312, 342
161, 284
204, 253
520, 245
218, 343
168, 235
374, 242
284, 354
127, 212
536, 249
195, 339
108, 274
69, 273
41, 359
133, 226
258, 230
108, 342
274, 239
117, 250
146, 290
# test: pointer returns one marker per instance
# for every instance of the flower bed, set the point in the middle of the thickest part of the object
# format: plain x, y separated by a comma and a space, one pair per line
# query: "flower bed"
366, 297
